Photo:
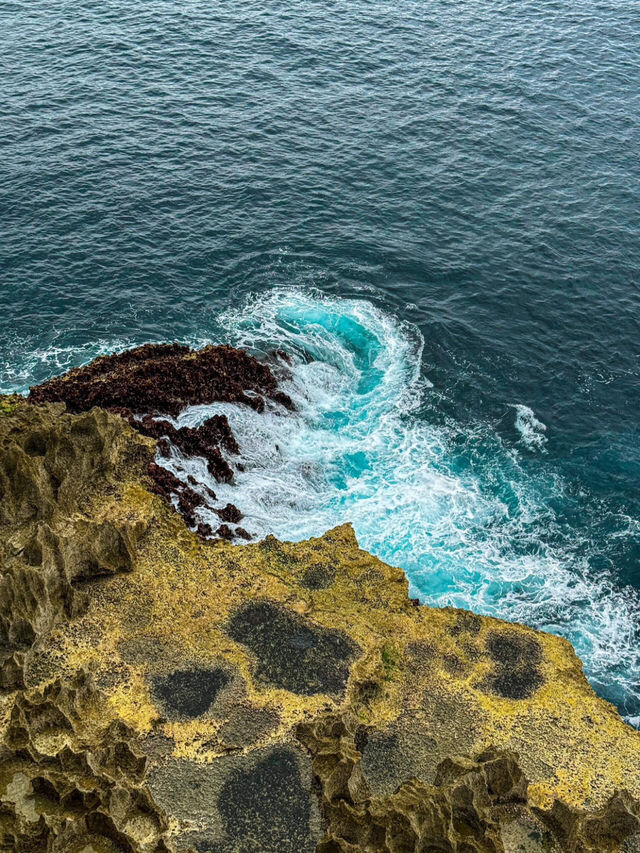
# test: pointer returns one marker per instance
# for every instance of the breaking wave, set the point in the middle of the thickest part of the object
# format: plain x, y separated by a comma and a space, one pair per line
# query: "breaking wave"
458, 510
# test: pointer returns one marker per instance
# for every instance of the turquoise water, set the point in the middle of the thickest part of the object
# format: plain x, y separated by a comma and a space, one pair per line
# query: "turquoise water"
438, 202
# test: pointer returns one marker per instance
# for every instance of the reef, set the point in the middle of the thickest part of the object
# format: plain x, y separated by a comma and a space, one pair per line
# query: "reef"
164, 691
164, 378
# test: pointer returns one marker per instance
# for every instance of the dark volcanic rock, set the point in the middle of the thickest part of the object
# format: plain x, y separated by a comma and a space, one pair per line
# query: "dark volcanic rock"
164, 378
291, 652
204, 440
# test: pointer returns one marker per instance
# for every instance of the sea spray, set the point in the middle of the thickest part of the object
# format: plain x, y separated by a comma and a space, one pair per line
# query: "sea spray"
531, 430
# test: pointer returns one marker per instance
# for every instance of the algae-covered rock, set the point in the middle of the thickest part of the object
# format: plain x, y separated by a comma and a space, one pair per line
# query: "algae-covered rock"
160, 691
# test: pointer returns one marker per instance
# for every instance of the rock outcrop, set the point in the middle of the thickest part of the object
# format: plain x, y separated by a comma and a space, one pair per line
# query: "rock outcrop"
161, 691
73, 783
61, 522
145, 383
164, 378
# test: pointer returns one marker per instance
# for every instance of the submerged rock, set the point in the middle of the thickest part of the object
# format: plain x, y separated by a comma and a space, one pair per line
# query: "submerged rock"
160, 692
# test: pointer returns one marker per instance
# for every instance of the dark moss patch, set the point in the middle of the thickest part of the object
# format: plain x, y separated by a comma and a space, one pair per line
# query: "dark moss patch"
291, 652
258, 802
318, 577
188, 692
266, 808
453, 665
517, 674
421, 657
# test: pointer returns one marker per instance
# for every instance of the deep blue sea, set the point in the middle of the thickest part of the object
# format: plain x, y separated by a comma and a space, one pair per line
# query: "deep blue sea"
437, 201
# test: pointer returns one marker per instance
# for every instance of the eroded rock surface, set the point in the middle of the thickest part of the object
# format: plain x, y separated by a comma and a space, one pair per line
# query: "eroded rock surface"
160, 692
71, 781
62, 478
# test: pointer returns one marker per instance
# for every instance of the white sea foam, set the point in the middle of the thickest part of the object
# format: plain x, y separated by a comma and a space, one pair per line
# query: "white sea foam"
532, 431
29, 366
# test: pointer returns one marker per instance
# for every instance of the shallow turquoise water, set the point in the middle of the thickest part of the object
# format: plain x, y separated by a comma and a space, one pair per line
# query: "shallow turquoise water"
464, 177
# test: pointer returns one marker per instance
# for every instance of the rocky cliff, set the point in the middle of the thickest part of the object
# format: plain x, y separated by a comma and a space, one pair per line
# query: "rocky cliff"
164, 689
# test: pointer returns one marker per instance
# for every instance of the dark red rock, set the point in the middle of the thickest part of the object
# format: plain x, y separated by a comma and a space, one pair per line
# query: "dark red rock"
205, 531
225, 532
230, 513
155, 379
164, 378
204, 441
242, 533
166, 484
283, 355
164, 481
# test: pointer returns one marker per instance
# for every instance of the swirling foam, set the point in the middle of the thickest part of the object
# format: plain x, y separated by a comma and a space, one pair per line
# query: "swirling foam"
468, 522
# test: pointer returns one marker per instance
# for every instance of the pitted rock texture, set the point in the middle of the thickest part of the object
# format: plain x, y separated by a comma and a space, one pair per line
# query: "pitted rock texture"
271, 697
60, 523
258, 802
460, 812
474, 805
71, 783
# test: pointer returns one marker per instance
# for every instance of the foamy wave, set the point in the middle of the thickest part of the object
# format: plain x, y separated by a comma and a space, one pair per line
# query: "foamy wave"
468, 523
532, 431
28, 367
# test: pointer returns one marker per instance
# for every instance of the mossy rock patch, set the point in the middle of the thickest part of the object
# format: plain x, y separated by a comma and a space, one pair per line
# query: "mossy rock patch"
261, 802
517, 661
188, 692
291, 652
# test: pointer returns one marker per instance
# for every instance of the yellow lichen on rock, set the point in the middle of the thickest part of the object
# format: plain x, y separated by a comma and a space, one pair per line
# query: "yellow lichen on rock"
239, 674
502, 685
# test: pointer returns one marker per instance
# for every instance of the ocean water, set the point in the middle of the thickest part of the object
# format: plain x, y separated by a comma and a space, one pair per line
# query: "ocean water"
435, 207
